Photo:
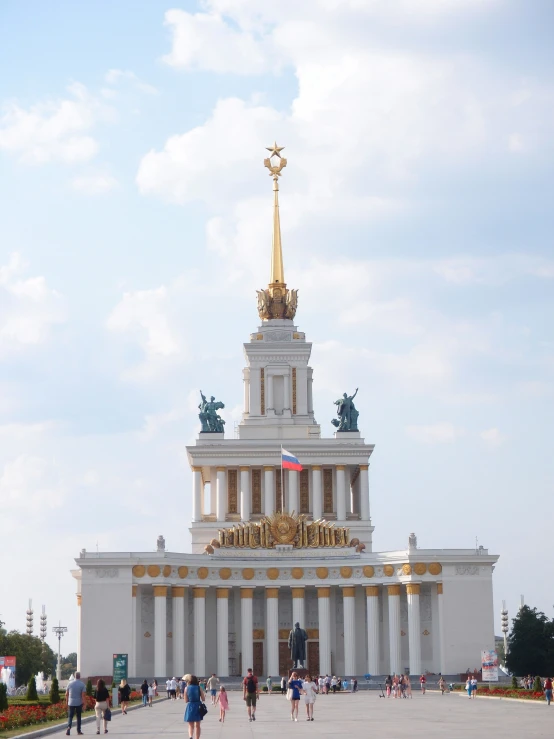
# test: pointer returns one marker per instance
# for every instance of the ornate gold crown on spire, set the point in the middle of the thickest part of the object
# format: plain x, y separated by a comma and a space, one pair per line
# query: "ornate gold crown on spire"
276, 301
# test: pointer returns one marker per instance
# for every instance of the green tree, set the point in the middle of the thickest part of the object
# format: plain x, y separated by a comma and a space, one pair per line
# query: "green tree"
537, 684
515, 684
3, 697
54, 691
32, 694
88, 689
31, 654
531, 644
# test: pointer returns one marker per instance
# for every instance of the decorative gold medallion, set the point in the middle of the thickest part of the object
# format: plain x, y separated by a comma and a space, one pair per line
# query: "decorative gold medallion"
225, 573
248, 573
153, 570
420, 568
139, 570
322, 573
346, 572
166, 571
283, 528
435, 568
202, 573
406, 569
297, 573
388, 570
369, 571
183, 572
272, 573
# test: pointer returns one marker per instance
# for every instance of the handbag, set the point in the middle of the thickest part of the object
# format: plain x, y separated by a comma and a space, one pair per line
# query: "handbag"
203, 710
289, 694
107, 715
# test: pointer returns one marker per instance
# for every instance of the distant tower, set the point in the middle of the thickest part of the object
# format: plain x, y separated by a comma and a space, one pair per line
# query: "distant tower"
43, 624
30, 618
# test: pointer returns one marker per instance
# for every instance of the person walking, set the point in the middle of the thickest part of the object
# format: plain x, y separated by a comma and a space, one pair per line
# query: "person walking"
474, 687
310, 689
334, 684
182, 686
75, 700
442, 685
223, 701
151, 694
173, 688
283, 686
212, 687
250, 692
124, 695
155, 686
102, 705
548, 690
423, 684
468, 687
168, 688
194, 695
144, 691
388, 685
295, 686
269, 684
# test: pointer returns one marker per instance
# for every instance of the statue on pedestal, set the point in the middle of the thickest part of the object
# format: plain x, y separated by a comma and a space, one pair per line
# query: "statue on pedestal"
412, 542
347, 413
297, 645
160, 544
212, 423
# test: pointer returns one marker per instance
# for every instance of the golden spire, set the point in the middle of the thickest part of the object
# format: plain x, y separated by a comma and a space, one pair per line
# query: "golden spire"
277, 270
276, 302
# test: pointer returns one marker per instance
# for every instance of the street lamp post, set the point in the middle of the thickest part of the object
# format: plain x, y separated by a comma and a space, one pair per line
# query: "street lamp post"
504, 621
59, 631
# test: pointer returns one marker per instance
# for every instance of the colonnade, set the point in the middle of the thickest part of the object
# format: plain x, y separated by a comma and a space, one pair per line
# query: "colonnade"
346, 494
393, 662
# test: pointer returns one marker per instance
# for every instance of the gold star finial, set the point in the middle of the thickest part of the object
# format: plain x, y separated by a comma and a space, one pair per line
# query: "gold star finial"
275, 169
275, 150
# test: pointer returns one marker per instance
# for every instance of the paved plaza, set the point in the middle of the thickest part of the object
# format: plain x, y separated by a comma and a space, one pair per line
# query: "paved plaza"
361, 715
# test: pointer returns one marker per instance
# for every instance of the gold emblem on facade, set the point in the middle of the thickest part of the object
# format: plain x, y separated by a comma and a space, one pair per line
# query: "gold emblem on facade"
369, 571
283, 528
139, 570
225, 573
435, 568
346, 572
273, 573
322, 573
248, 573
297, 573
406, 569
153, 570
202, 573
183, 572
420, 568
388, 570
166, 571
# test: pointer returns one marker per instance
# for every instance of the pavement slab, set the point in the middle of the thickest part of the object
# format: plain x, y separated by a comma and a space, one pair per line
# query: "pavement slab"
361, 715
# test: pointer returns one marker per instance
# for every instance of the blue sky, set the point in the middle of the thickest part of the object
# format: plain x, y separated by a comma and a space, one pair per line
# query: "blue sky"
417, 221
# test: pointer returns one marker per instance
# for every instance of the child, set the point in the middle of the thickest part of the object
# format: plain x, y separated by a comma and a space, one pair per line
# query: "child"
151, 694
223, 701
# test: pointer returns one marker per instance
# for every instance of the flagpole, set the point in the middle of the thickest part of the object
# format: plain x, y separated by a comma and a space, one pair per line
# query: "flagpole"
282, 484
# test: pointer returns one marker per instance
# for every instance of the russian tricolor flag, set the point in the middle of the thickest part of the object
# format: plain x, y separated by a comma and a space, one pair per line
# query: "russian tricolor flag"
289, 461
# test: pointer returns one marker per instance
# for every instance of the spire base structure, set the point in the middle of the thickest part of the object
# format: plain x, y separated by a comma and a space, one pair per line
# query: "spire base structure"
277, 302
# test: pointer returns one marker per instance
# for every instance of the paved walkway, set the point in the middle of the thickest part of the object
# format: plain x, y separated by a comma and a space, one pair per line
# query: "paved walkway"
362, 715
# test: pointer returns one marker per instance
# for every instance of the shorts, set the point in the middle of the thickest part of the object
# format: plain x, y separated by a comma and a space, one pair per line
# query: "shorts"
213, 691
251, 699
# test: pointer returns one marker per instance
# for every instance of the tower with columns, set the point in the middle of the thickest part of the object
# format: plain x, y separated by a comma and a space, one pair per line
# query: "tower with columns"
273, 547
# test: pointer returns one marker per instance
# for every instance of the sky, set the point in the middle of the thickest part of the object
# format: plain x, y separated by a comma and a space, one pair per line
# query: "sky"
417, 223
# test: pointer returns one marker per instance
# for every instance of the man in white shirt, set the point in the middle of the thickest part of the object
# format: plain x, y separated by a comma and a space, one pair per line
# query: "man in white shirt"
173, 688
211, 685
168, 688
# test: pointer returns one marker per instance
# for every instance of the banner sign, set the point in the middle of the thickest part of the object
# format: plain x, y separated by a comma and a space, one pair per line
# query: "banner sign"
489, 666
7, 673
120, 662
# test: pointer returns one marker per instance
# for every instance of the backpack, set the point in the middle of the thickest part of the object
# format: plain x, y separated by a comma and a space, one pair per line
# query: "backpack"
250, 684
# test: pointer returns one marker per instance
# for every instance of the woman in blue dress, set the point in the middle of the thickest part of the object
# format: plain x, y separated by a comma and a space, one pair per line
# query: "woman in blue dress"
295, 686
194, 695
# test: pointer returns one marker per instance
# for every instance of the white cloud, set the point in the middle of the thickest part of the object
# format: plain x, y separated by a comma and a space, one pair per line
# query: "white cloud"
438, 433
31, 483
28, 307
94, 184
115, 77
57, 130
492, 437
206, 41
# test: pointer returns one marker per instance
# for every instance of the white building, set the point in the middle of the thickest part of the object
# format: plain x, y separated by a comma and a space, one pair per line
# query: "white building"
259, 563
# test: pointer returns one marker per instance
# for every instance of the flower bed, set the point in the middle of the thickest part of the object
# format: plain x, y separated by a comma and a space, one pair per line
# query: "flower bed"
16, 716
520, 693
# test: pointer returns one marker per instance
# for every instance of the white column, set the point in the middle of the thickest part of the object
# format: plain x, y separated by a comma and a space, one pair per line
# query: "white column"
286, 392
372, 600
269, 491
395, 664
223, 632
294, 503
133, 657
246, 628
245, 498
160, 630
221, 494
199, 630
178, 604
364, 492
414, 627
324, 618
269, 388
298, 613
341, 492
317, 493
442, 660
79, 601
348, 604
272, 631
197, 490
246, 378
